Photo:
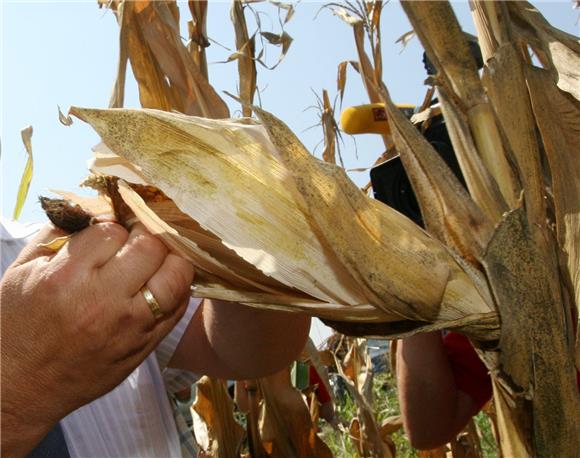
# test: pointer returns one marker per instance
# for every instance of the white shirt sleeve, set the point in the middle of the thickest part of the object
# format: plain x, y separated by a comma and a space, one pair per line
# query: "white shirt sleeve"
175, 379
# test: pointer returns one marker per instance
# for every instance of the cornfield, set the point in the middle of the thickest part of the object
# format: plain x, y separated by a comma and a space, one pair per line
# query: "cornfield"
269, 225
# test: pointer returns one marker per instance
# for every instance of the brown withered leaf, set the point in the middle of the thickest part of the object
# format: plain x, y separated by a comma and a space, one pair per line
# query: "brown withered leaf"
198, 34
215, 429
245, 55
282, 40
364, 429
166, 73
285, 421
559, 51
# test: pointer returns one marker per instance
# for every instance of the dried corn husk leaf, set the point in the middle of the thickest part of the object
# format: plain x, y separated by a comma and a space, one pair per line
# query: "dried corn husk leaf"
448, 211
26, 134
96, 206
107, 163
215, 429
333, 202
293, 217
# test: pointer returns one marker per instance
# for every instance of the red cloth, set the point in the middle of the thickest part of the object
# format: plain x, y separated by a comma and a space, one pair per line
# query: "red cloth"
470, 373
322, 393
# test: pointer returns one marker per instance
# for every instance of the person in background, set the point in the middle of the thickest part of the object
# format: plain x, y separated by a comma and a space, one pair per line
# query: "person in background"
94, 334
441, 374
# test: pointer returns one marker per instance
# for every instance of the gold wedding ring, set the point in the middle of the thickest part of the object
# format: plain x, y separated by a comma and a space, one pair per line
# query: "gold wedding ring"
152, 303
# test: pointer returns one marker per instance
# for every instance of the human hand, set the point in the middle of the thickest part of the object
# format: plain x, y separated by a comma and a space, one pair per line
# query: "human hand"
75, 324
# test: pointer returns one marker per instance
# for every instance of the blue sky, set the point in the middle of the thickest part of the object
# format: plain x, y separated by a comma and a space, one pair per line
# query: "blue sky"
65, 53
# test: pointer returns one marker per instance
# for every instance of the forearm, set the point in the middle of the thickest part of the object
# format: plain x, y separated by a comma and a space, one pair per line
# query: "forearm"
253, 342
21, 435
21, 432
234, 341
433, 410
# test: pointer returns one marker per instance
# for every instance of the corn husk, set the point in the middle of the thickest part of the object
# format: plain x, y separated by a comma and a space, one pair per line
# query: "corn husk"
301, 222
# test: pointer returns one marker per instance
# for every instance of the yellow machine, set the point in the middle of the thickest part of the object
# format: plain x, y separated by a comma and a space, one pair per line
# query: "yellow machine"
370, 119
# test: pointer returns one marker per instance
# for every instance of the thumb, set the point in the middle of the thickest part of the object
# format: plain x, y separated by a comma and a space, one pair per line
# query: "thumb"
34, 249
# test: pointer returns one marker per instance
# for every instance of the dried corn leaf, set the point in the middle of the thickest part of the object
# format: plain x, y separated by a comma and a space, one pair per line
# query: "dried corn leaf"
215, 429
364, 429
117, 99
448, 211
535, 368
357, 367
446, 46
246, 64
405, 39
285, 420
65, 120
198, 35
56, 244
558, 119
561, 50
341, 78
168, 77
329, 129
26, 134
282, 40
506, 86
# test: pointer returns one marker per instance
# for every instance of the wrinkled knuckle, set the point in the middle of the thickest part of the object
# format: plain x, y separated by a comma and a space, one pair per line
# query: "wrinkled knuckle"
112, 231
149, 244
183, 272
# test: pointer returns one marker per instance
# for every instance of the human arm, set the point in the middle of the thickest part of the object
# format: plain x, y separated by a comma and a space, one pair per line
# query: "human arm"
434, 410
75, 324
233, 341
